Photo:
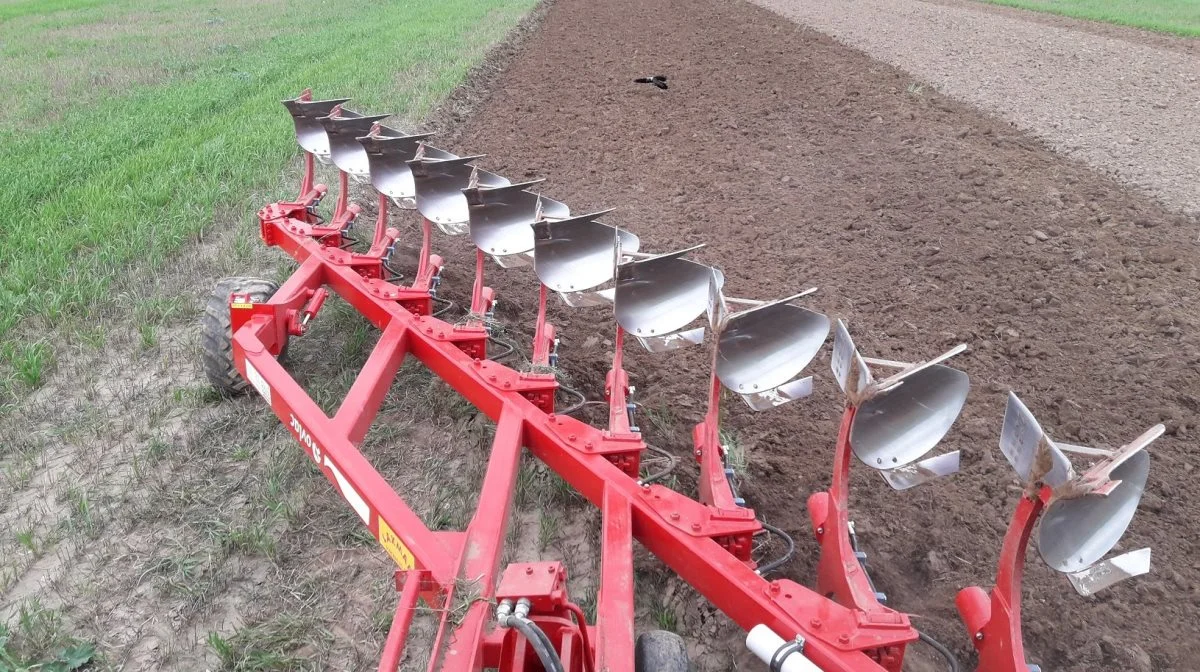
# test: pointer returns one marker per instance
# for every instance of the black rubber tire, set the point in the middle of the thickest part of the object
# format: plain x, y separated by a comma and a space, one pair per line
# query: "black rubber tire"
216, 337
660, 651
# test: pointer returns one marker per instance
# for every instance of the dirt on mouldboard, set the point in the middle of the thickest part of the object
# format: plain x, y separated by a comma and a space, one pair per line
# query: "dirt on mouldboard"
925, 223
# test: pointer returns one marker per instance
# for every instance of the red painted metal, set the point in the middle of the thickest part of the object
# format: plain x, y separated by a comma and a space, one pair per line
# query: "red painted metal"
840, 575
994, 620
708, 542
393, 648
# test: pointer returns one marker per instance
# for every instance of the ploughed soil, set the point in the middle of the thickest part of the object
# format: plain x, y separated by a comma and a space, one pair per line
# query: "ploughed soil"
925, 223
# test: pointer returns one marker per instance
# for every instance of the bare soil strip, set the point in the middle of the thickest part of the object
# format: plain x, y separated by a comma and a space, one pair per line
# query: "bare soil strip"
1123, 103
801, 161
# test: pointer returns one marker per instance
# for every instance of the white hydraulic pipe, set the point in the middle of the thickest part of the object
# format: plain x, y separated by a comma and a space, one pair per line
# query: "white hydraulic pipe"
764, 643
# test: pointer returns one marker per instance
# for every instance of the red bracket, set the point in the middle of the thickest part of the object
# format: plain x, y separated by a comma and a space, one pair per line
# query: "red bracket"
733, 529
544, 584
881, 636
623, 450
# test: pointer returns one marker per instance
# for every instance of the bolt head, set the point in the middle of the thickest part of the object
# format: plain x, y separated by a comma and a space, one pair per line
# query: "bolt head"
979, 636
815, 623
571, 437
674, 516
529, 570
844, 639
695, 527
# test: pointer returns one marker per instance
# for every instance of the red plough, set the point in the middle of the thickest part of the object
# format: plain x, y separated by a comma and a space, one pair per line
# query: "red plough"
520, 617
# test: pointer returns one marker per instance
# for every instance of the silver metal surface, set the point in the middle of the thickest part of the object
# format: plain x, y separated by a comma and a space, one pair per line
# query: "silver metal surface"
501, 218
388, 152
672, 341
847, 364
662, 294
548, 208
573, 255
602, 297
514, 260
912, 369
310, 133
897, 426
764, 347
439, 184
1077, 532
799, 388
343, 132
1110, 572
923, 471
1021, 440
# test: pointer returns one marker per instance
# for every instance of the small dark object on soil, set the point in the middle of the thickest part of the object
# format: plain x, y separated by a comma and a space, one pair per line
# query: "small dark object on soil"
658, 80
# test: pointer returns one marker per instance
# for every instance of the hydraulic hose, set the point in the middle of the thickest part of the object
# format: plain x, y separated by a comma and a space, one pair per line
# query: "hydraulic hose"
791, 549
539, 641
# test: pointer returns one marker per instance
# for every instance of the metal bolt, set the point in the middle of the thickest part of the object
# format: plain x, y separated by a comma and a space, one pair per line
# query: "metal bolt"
821, 530
815, 623
507, 384
589, 444
979, 636
492, 378
844, 639
695, 527
674, 516
529, 570
570, 437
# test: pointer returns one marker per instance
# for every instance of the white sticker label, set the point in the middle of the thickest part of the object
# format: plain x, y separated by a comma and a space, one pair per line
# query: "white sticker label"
322, 459
258, 382
350, 494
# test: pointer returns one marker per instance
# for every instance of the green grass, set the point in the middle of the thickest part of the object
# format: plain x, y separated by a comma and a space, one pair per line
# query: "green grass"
38, 641
129, 128
1181, 17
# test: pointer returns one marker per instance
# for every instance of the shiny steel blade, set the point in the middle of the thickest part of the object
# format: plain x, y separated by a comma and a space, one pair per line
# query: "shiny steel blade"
1110, 572
912, 475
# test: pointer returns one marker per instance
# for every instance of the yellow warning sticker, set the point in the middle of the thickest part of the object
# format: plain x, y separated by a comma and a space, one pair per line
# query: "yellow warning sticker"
395, 548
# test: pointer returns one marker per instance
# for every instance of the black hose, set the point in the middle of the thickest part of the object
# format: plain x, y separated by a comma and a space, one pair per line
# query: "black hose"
951, 661
442, 311
539, 641
583, 400
661, 473
791, 550
509, 351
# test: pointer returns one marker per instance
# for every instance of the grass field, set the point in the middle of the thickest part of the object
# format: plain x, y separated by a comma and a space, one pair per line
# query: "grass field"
1181, 17
131, 128
144, 523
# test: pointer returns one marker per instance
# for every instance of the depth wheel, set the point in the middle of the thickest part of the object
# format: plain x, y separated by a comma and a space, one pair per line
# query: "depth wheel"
216, 336
660, 651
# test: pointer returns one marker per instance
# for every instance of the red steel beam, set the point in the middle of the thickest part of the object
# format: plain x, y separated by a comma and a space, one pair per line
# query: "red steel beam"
686, 535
